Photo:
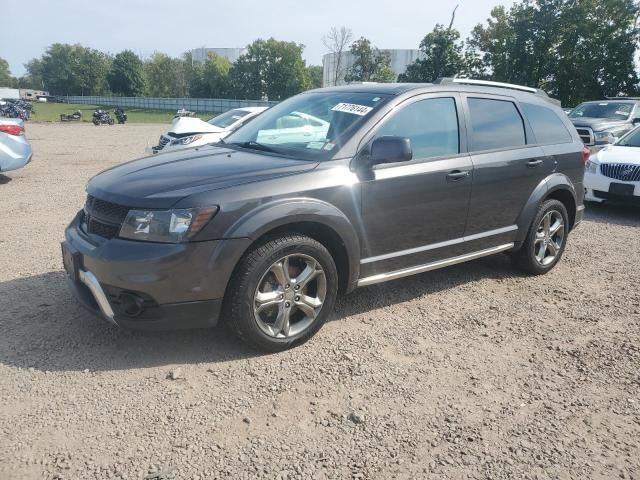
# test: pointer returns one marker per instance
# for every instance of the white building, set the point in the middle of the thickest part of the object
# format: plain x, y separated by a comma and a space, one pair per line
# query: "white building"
400, 58
200, 55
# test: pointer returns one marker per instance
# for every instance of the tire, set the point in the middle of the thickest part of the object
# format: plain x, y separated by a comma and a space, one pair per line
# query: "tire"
96, 123
543, 247
272, 311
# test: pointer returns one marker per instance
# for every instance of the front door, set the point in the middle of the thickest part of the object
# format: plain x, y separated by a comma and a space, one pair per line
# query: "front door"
415, 212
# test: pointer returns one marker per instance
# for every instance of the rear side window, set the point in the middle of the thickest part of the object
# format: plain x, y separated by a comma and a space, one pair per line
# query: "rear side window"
495, 124
430, 124
546, 125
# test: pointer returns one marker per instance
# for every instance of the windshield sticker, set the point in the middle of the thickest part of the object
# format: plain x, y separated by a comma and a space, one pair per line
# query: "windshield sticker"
603, 104
360, 110
618, 112
376, 99
315, 145
329, 146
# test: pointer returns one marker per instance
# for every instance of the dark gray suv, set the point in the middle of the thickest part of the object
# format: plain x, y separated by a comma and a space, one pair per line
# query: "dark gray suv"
327, 191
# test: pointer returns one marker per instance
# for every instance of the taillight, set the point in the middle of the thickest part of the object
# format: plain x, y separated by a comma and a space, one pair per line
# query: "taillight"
586, 153
12, 129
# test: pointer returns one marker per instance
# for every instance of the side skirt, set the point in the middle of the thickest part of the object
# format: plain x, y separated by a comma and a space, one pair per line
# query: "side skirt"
384, 277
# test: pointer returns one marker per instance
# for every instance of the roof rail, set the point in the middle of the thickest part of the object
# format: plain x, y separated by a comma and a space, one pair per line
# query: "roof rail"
487, 83
622, 98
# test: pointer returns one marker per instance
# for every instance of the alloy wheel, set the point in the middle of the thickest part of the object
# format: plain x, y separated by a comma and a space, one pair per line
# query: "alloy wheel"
549, 239
290, 296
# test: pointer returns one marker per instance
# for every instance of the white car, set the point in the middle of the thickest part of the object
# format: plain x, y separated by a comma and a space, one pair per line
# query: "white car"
188, 132
614, 172
296, 127
15, 150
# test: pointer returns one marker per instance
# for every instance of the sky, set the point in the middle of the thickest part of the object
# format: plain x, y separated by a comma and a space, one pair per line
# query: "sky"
176, 26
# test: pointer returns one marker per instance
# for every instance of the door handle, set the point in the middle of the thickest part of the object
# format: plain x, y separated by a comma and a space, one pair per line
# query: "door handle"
456, 175
534, 163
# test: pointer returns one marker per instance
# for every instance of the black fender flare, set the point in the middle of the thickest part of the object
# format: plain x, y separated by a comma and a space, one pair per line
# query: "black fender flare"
279, 213
550, 184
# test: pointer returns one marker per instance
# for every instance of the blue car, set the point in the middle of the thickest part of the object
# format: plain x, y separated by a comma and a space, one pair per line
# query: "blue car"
15, 150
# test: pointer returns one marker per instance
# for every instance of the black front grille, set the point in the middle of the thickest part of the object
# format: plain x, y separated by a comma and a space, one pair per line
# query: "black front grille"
103, 229
103, 218
586, 135
621, 171
107, 211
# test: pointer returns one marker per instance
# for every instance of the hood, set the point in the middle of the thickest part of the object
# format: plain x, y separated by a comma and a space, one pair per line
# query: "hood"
182, 125
159, 181
599, 124
618, 154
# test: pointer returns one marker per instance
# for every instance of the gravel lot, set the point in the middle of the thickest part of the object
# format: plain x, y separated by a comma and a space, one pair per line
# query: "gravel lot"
470, 372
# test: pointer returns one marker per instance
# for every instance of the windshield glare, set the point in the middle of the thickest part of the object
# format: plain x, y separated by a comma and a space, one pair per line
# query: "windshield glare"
612, 110
309, 126
227, 119
631, 139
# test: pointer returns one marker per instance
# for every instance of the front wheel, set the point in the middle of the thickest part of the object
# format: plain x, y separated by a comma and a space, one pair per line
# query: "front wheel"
282, 292
546, 239
96, 122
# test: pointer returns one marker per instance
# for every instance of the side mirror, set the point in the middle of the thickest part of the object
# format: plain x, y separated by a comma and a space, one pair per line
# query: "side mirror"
636, 121
390, 149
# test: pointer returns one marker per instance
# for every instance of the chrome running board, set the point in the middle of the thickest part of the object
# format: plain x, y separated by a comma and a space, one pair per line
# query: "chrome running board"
405, 272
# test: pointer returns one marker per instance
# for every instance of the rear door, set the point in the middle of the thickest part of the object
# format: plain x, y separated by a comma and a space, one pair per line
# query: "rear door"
508, 165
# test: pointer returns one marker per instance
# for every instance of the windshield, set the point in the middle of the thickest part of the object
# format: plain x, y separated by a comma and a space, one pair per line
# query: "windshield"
227, 119
631, 139
611, 110
310, 126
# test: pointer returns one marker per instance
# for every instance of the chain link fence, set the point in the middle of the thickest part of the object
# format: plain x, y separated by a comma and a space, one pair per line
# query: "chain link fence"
211, 105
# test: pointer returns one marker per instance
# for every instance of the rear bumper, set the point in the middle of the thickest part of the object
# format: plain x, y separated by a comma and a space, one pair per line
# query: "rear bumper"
14, 154
149, 285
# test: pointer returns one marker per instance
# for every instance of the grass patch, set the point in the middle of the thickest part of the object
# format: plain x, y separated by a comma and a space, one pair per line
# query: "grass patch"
50, 112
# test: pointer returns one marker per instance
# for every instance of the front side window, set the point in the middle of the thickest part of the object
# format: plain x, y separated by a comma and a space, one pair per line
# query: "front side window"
495, 124
310, 126
631, 139
430, 124
546, 125
610, 110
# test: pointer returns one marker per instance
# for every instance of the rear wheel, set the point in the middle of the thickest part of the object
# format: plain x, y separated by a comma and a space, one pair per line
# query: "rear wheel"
282, 292
546, 240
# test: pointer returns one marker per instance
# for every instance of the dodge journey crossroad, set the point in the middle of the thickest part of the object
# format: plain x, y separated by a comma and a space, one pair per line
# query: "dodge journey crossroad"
327, 191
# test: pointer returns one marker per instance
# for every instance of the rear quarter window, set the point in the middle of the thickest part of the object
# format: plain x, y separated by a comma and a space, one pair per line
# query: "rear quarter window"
547, 127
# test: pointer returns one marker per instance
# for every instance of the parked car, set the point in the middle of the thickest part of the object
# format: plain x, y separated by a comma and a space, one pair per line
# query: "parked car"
265, 231
602, 122
15, 150
192, 132
614, 172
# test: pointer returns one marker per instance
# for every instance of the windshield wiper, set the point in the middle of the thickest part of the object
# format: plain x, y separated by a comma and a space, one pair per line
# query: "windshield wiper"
255, 146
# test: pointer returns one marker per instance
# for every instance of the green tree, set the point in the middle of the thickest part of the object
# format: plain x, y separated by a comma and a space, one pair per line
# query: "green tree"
165, 76
369, 64
69, 70
5, 74
212, 79
126, 76
315, 73
270, 69
441, 52
575, 50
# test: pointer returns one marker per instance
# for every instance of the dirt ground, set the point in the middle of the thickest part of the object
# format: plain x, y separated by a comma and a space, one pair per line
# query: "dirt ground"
472, 372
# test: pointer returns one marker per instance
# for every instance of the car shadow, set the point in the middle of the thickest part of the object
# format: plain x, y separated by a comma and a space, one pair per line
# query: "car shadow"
613, 213
4, 179
43, 327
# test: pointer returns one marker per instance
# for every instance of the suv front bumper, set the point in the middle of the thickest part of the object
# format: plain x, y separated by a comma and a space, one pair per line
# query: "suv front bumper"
146, 285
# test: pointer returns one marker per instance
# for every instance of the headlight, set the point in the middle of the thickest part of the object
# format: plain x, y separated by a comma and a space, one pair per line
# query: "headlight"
591, 166
165, 226
608, 137
186, 140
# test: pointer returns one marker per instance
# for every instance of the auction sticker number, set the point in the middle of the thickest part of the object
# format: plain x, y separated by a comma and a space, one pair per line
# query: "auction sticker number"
360, 110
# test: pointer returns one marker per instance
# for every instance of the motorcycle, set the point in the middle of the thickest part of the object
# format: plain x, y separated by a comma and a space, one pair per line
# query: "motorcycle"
121, 116
14, 108
100, 117
71, 117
